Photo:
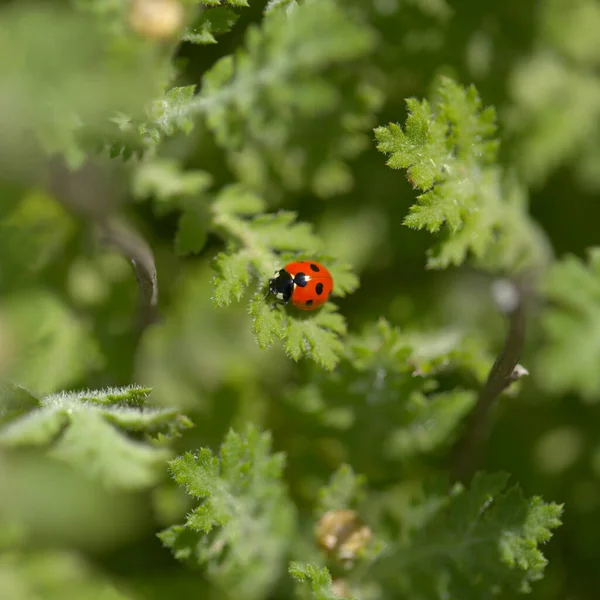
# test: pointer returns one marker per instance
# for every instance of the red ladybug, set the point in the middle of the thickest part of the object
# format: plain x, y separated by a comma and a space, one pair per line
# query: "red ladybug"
305, 283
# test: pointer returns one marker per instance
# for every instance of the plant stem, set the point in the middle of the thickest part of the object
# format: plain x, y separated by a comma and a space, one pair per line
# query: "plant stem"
118, 234
505, 370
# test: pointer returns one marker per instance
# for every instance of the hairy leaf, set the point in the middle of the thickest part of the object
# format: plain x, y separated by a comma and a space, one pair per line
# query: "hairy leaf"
89, 431
244, 507
449, 152
319, 579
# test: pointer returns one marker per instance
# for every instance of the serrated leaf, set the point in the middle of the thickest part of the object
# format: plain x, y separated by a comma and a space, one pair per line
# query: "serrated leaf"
211, 22
283, 69
344, 489
449, 153
233, 277
421, 149
243, 506
268, 323
131, 395
316, 337
170, 113
479, 541
345, 280
319, 579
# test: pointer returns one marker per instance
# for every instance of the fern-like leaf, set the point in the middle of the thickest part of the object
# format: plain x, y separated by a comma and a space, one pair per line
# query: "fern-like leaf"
449, 151
242, 526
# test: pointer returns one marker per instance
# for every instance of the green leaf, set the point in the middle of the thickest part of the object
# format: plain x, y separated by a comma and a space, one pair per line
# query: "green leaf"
568, 360
88, 431
319, 579
421, 149
211, 22
301, 63
192, 232
384, 393
449, 152
345, 488
244, 507
169, 114
430, 422
166, 180
47, 227
236, 199
478, 541
95, 447
555, 94
258, 245
128, 396
233, 277
47, 88
317, 336
15, 401
268, 323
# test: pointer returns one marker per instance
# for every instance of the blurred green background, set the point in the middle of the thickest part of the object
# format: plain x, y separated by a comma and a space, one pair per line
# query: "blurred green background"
67, 303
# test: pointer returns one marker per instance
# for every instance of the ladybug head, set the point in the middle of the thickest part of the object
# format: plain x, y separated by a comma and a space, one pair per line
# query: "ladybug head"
282, 286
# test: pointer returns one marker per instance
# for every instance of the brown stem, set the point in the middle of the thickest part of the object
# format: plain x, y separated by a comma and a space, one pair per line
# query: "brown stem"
94, 193
504, 371
133, 247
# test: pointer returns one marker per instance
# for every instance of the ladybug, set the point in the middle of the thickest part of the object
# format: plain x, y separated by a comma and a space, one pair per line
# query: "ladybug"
305, 283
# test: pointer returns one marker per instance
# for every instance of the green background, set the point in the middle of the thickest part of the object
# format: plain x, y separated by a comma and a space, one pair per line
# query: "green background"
67, 305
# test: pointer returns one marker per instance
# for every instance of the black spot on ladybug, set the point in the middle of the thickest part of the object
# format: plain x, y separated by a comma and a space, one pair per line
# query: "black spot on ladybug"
300, 280
314, 268
319, 288
309, 303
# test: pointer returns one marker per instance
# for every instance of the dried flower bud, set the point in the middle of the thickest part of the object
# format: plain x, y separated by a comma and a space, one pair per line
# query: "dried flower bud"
340, 588
343, 534
156, 19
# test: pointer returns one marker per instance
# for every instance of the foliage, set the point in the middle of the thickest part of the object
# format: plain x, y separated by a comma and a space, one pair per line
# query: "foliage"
319, 578
476, 541
450, 156
243, 496
568, 360
159, 161
556, 92
87, 430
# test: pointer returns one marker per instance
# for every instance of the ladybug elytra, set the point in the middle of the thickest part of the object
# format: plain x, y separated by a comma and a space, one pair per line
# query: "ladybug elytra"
306, 284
